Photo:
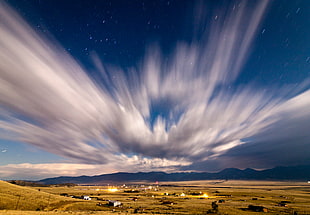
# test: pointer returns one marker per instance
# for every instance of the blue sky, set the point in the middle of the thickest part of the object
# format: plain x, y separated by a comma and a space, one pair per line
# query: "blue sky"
152, 85
15, 152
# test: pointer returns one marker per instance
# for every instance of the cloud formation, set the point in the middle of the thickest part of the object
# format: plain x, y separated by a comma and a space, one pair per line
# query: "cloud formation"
28, 171
173, 111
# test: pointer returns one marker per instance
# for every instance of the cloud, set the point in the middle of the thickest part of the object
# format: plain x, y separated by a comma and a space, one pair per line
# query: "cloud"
28, 171
169, 112
285, 142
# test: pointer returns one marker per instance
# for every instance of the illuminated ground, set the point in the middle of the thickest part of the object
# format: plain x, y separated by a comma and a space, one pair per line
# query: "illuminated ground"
232, 197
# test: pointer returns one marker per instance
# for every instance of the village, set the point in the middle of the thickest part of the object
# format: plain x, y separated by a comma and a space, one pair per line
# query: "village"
206, 197
188, 197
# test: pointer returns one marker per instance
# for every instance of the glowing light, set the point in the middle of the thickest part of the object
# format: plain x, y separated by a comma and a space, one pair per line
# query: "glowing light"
205, 195
112, 189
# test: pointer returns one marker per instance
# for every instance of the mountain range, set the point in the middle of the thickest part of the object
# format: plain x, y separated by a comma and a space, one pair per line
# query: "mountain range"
294, 173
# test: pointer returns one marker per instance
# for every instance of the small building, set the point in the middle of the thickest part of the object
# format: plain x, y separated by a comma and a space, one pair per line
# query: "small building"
114, 203
282, 204
86, 198
167, 203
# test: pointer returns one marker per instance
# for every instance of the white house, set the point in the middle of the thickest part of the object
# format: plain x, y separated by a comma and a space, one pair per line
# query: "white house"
114, 203
86, 198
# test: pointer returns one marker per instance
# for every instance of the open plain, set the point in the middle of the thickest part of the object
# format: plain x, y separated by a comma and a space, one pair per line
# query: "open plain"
190, 197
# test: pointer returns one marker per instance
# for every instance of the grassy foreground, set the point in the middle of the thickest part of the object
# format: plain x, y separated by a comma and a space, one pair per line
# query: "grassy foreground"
196, 197
10, 212
18, 198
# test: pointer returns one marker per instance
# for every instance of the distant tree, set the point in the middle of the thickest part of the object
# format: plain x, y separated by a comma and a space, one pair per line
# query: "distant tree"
215, 207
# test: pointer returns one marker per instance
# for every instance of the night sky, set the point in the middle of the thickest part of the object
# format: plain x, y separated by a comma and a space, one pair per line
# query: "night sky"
93, 87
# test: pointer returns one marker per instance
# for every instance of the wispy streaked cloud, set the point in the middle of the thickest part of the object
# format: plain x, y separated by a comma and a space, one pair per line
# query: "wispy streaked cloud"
48, 100
134, 164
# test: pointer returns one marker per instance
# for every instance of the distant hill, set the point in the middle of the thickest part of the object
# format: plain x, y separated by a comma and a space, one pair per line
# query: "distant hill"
14, 197
296, 173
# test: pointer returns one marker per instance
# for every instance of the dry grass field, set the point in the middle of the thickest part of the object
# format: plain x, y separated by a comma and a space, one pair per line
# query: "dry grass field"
195, 197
